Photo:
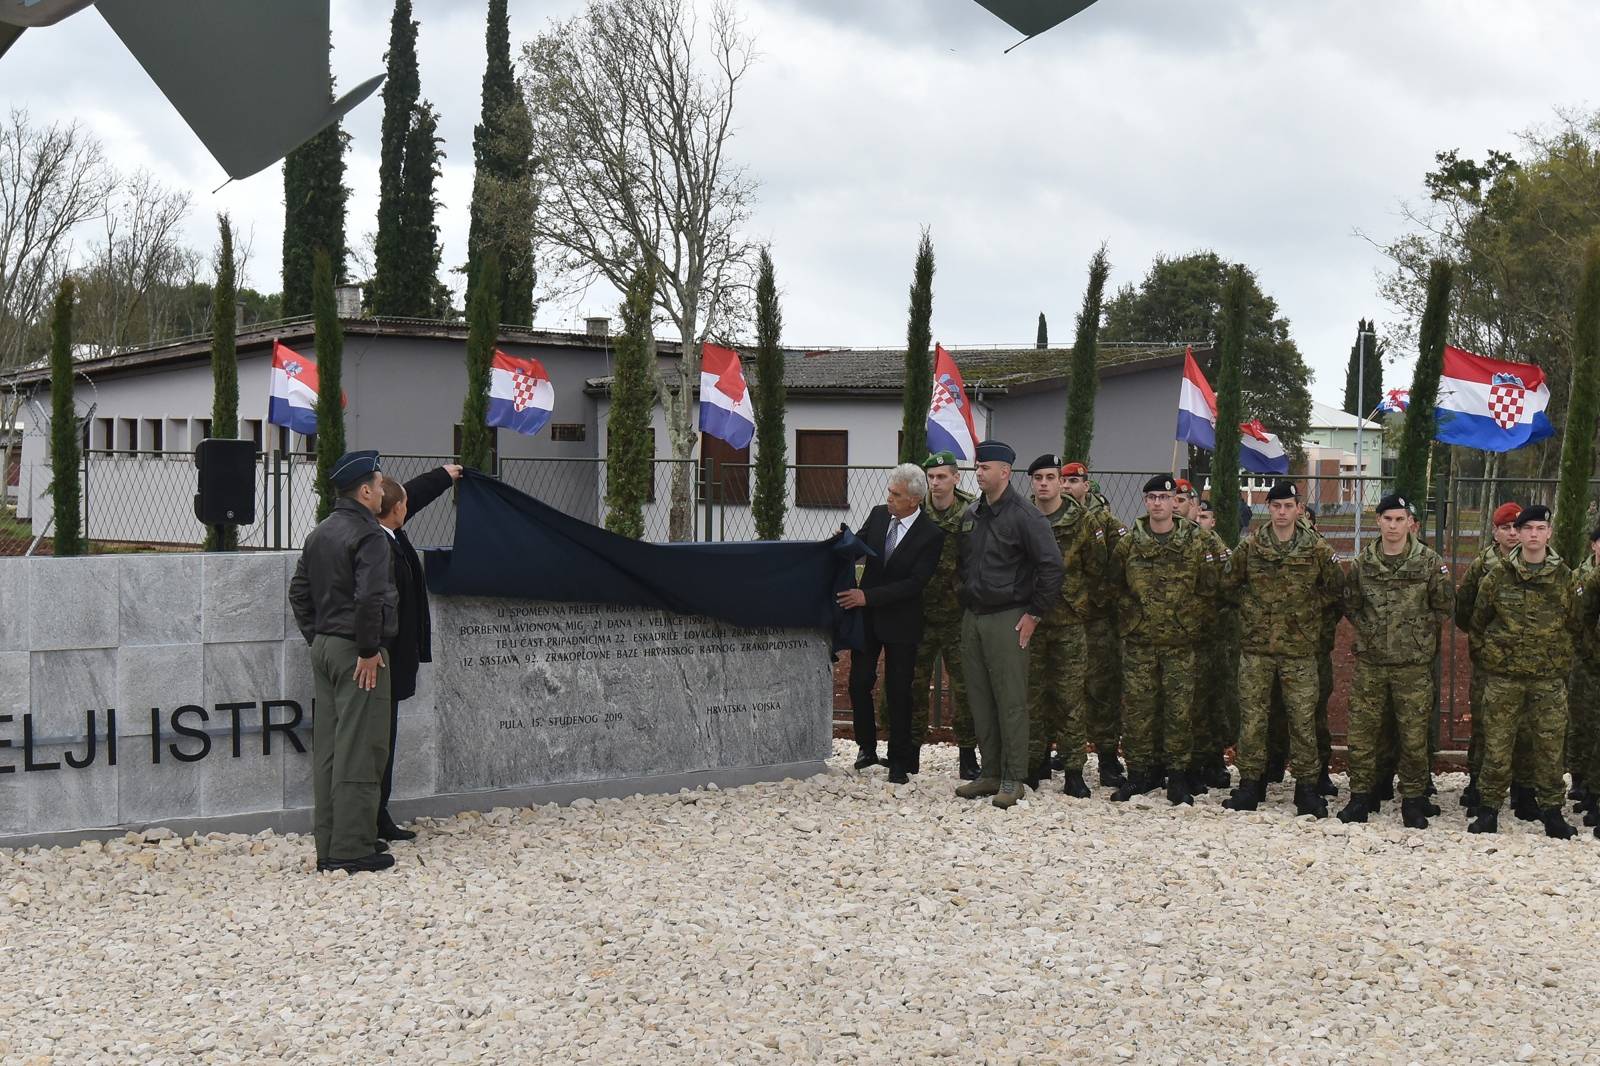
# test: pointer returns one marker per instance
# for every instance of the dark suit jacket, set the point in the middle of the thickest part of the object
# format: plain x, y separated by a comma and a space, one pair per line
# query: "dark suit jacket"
413, 644
894, 587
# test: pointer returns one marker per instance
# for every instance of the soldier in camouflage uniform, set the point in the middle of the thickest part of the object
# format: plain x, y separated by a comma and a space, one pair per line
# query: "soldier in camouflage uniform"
1583, 691
941, 614
1278, 719
1283, 577
1526, 614
1156, 573
1058, 659
1212, 732
1505, 541
1104, 684
1397, 595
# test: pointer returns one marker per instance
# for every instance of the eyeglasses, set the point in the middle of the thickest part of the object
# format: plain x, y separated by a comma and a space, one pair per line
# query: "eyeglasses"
1158, 497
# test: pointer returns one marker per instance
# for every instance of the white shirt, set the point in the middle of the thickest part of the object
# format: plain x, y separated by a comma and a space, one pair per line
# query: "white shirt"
904, 524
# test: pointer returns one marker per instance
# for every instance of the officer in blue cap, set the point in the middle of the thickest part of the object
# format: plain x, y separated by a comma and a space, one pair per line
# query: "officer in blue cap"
344, 601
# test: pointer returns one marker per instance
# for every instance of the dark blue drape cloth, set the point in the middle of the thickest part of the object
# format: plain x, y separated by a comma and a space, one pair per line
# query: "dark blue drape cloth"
509, 544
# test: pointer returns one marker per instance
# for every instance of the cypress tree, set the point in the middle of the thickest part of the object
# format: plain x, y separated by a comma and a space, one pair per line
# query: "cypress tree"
502, 146
330, 374
1043, 339
402, 86
629, 457
1577, 441
314, 196
64, 455
918, 391
416, 284
1363, 352
224, 363
483, 327
1411, 468
1085, 379
1225, 460
769, 503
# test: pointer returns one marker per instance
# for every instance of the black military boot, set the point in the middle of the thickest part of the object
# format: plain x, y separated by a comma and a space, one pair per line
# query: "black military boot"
1470, 797
1577, 790
1308, 800
1384, 790
1196, 779
1138, 783
1056, 762
1325, 784
1038, 774
1414, 813
1073, 784
1524, 803
1555, 825
1216, 773
1276, 770
969, 764
1247, 797
1111, 773
1356, 810
1430, 809
1178, 788
1487, 821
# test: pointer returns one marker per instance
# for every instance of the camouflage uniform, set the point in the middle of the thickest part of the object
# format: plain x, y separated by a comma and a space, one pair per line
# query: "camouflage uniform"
1059, 651
1525, 615
1466, 599
1212, 731
1583, 688
1155, 580
941, 634
1397, 604
1278, 719
1103, 687
1283, 590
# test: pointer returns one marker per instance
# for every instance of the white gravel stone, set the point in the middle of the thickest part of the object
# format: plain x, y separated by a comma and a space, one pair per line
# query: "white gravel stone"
835, 919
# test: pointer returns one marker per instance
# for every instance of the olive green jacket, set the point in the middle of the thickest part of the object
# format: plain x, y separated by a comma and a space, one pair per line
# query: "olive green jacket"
1082, 556
1283, 591
941, 598
1397, 611
1156, 583
1525, 618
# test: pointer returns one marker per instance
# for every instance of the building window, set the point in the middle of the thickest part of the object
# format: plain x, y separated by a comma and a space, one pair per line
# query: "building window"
202, 430
494, 447
152, 435
569, 432
128, 434
821, 479
732, 469
177, 436
252, 430
105, 434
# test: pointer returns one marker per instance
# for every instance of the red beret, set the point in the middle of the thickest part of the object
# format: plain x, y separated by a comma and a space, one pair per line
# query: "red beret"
1184, 485
1074, 470
1506, 514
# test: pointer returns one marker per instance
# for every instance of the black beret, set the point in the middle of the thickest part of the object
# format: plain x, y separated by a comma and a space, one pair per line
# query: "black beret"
1392, 502
1283, 490
1160, 483
353, 468
1045, 462
1205, 505
1594, 534
1537, 513
993, 451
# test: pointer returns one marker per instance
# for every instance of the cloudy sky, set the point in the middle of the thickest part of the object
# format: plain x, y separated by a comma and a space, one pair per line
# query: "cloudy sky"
1268, 130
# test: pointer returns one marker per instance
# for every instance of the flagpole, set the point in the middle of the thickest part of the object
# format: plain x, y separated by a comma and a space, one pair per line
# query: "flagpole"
1175, 445
1361, 467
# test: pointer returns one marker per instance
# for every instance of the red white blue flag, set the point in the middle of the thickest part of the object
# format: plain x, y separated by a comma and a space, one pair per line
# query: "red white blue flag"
521, 397
1490, 404
292, 397
725, 408
950, 427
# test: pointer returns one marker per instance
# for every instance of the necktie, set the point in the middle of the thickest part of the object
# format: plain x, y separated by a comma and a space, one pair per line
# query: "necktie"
893, 539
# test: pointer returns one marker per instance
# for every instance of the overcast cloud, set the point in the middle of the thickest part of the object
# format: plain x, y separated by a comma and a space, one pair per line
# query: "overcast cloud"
1267, 130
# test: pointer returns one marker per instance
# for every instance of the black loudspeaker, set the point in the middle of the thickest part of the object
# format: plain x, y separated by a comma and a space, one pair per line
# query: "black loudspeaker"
227, 495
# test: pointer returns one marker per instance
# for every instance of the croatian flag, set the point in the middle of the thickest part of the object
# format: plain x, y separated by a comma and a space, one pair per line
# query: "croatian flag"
1261, 452
725, 408
1394, 403
949, 413
292, 398
521, 397
1197, 407
1490, 404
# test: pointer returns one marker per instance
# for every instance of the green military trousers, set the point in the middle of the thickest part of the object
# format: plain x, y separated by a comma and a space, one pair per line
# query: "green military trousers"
1512, 704
1583, 708
349, 748
997, 690
1296, 675
941, 643
1103, 684
1521, 759
1389, 709
1056, 698
1157, 704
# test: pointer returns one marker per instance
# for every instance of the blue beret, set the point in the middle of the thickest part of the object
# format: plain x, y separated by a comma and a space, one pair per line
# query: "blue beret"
353, 468
993, 451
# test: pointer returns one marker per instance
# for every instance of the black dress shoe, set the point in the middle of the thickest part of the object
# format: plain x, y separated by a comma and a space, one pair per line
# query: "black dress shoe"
387, 830
366, 864
914, 764
866, 759
969, 764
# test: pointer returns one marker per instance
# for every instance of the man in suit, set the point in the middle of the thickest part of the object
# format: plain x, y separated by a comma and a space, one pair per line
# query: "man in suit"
906, 546
413, 642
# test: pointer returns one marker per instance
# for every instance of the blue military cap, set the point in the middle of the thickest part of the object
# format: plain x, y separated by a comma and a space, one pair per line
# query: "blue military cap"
353, 468
993, 451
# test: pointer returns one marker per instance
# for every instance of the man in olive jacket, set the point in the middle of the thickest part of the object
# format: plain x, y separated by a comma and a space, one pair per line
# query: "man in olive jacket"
1526, 613
1283, 577
1397, 595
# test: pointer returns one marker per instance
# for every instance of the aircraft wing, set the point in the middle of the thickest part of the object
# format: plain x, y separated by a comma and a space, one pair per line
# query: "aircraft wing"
1032, 17
250, 78
8, 36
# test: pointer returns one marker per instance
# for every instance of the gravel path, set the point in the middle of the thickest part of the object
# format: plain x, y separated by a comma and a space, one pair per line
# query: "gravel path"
837, 920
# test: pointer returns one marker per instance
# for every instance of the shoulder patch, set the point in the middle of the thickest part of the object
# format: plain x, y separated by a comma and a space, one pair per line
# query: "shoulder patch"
1443, 569
1122, 531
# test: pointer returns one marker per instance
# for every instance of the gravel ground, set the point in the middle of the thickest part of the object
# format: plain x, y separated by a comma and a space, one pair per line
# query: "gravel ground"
838, 919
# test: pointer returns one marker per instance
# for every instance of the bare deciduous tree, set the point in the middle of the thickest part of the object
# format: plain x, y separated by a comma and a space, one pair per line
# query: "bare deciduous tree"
128, 286
633, 111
